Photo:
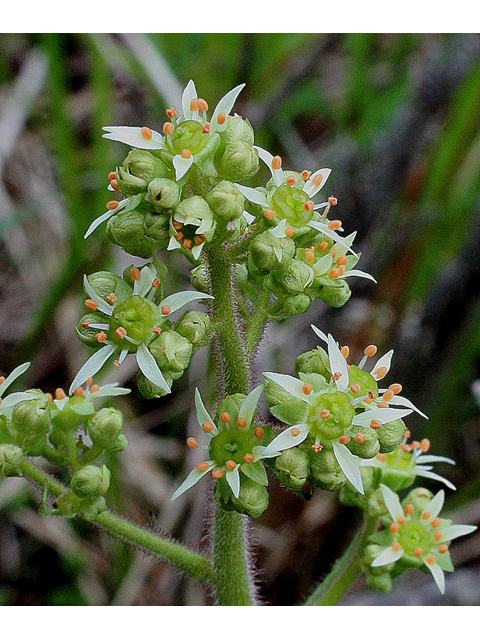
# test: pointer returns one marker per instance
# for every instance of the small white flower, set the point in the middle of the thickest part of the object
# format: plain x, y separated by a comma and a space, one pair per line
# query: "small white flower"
14, 398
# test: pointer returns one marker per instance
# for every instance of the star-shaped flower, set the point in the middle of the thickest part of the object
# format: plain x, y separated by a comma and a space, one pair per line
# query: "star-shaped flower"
14, 398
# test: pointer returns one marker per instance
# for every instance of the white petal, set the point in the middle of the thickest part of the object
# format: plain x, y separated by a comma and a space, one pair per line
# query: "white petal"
322, 265
18, 371
286, 440
99, 325
279, 230
233, 479
392, 503
181, 165
456, 530
435, 505
291, 385
384, 361
423, 473
98, 221
387, 557
249, 405
149, 367
358, 274
225, 105
192, 478
173, 244
424, 459
123, 355
248, 217
133, 137
197, 250
92, 366
189, 94
319, 333
266, 156
252, 195
321, 226
348, 465
437, 573
109, 391
103, 305
178, 300
147, 276
400, 401
15, 398
202, 413
278, 253
338, 364
309, 188
382, 415
60, 404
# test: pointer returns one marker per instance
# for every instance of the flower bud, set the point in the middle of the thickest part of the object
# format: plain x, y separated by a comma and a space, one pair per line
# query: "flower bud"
238, 161
31, 418
314, 361
293, 467
140, 234
10, 458
171, 351
226, 202
105, 430
104, 283
282, 405
295, 278
390, 435
419, 497
136, 316
138, 169
194, 326
163, 194
150, 390
325, 471
262, 251
335, 294
87, 334
198, 278
295, 305
252, 499
194, 208
237, 130
369, 447
91, 481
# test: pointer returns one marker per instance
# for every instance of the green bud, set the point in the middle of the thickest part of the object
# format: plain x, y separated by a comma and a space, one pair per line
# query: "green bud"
237, 130
136, 316
314, 361
138, 169
194, 326
369, 502
295, 305
194, 208
187, 135
231, 405
282, 405
390, 435
171, 351
150, 390
91, 482
10, 458
252, 499
288, 202
293, 468
383, 582
86, 333
295, 278
105, 430
335, 293
31, 418
198, 278
325, 471
140, 234
104, 283
419, 497
238, 161
264, 256
231, 230
163, 194
226, 201
369, 447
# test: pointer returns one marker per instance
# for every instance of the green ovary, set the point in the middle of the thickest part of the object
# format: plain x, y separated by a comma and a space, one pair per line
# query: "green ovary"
287, 202
135, 315
341, 416
232, 445
364, 379
187, 135
412, 535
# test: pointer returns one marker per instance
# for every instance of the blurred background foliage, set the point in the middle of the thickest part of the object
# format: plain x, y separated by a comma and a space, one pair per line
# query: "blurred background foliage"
397, 118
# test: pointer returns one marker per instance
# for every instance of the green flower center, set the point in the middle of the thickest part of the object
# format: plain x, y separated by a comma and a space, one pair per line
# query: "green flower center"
367, 382
413, 534
287, 202
330, 416
232, 445
187, 135
134, 315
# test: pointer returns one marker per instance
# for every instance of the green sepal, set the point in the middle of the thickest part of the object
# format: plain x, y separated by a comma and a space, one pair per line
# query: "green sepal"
256, 472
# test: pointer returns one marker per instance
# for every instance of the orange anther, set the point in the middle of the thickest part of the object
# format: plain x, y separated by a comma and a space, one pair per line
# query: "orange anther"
207, 427
225, 417
336, 376
355, 388
426, 515
101, 336
202, 466
290, 231
121, 332
157, 330
334, 273
308, 206
436, 522
317, 180
295, 432
368, 400
409, 509
60, 394
186, 154
111, 298
396, 388
269, 214
168, 128
242, 423
375, 424
307, 389
382, 405
178, 236
333, 252
370, 351
360, 437
94, 388
324, 414
306, 174
404, 447
317, 448
187, 244
345, 351
146, 133
79, 392
177, 225
276, 163
438, 535
221, 118
91, 304
415, 445
49, 395
112, 175
407, 433
291, 181
217, 474
135, 273
394, 527
171, 112
116, 364
258, 433
334, 225
192, 443
323, 246
341, 260
248, 458
396, 546
206, 128
344, 439
401, 520
309, 255
388, 395
199, 239
155, 283
443, 548
430, 560
165, 310
114, 185
202, 105
342, 268
332, 201
425, 445
194, 104
381, 457
231, 465
380, 373
418, 552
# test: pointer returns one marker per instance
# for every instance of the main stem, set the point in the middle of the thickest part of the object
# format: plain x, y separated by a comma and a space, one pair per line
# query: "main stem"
232, 579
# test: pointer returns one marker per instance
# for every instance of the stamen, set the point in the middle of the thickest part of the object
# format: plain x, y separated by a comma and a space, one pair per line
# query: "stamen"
114, 185
276, 163
165, 310
202, 105
380, 373
194, 104
404, 447
396, 546
116, 364
187, 244
425, 445
334, 273
438, 535
202, 466
248, 458
407, 433
101, 336
336, 376
60, 394
443, 548
430, 560
394, 527
306, 174
155, 283
317, 180
401, 520
409, 509
168, 128
307, 389
334, 225
355, 388
360, 437
231, 465
370, 351
121, 332
323, 246
295, 432
206, 128
225, 417
375, 424
217, 474
111, 298
290, 231
382, 405
381, 457
146, 133
91, 304
435, 522
207, 427
199, 239
258, 433
388, 395
135, 273
309, 254
291, 181
324, 414
418, 552
112, 175
242, 423
221, 118
345, 351
396, 388
186, 154
178, 236
341, 260
308, 206
317, 448
342, 269
157, 330
344, 439
332, 201
426, 515
84, 325
94, 388
192, 443
171, 112
415, 444
49, 395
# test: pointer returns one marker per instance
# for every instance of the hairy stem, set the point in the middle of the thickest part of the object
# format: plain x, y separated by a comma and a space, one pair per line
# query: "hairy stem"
345, 571
257, 322
190, 562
